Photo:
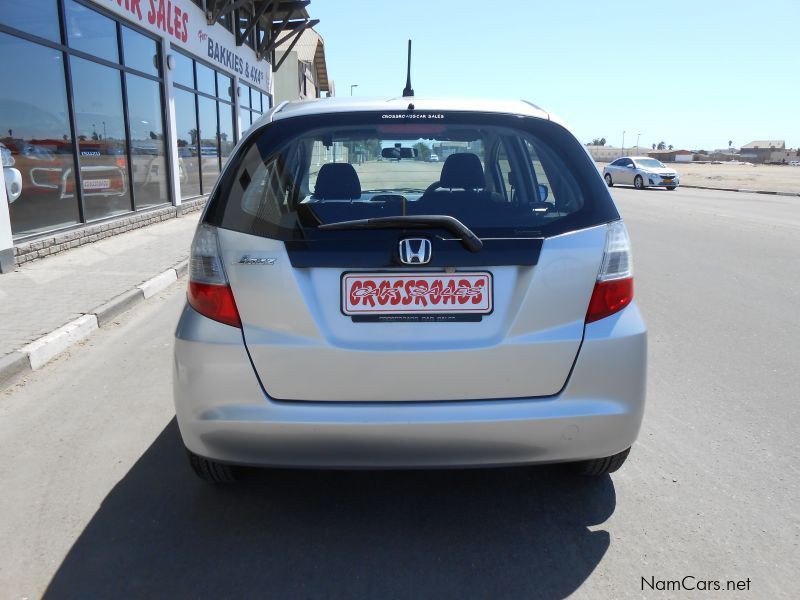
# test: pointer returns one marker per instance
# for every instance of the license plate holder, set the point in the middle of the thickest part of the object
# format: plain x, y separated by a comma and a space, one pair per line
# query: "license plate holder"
417, 297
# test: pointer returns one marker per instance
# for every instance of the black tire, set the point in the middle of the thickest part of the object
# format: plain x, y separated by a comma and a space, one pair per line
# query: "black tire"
609, 182
671, 188
211, 470
602, 466
638, 182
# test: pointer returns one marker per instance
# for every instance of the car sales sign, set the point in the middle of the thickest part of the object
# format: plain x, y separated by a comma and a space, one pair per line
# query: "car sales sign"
416, 293
183, 23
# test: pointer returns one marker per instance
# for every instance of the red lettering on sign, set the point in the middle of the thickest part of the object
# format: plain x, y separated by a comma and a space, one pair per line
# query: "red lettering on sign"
161, 15
164, 15
135, 8
178, 23
168, 18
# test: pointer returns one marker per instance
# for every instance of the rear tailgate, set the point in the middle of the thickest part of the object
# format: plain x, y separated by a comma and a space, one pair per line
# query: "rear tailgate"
304, 347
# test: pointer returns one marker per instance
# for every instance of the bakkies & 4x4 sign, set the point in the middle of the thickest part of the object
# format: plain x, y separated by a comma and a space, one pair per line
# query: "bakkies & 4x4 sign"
183, 23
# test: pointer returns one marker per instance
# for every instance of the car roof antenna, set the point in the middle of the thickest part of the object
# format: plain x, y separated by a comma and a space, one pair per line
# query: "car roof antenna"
409, 91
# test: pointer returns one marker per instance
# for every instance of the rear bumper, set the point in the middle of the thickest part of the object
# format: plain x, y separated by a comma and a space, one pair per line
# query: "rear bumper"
223, 414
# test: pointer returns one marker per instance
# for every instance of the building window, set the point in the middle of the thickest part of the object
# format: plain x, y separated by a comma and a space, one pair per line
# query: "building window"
34, 126
98, 151
37, 17
204, 121
100, 128
188, 158
252, 104
91, 32
148, 149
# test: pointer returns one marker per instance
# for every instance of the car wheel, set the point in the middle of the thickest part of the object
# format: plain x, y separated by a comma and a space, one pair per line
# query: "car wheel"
210, 470
609, 183
638, 182
671, 188
601, 466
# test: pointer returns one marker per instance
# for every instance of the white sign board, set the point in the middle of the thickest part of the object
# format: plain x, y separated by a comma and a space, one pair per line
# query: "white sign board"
183, 24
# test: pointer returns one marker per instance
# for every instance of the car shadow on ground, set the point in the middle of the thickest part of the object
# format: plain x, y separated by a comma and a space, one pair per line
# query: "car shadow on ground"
499, 533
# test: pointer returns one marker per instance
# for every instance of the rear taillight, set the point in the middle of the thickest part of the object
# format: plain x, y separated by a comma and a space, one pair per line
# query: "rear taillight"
613, 289
210, 293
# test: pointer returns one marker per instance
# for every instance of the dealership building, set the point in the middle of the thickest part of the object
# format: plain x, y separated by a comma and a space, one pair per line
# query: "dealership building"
119, 113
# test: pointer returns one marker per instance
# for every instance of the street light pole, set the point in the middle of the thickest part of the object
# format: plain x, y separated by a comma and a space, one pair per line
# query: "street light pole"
637, 140
355, 85
623, 142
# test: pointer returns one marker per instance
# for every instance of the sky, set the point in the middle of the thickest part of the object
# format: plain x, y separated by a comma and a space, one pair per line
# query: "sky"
693, 73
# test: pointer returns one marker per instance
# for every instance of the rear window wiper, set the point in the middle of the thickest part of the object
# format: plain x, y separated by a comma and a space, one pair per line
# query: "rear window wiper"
471, 241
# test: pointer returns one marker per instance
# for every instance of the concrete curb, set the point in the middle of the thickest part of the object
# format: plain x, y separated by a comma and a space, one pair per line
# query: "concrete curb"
769, 192
161, 281
106, 312
38, 353
11, 365
54, 343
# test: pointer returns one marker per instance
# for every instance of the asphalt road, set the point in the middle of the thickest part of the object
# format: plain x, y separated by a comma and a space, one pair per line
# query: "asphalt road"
97, 500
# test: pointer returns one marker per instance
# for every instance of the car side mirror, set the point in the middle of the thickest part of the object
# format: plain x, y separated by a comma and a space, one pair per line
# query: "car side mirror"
631, 166
543, 192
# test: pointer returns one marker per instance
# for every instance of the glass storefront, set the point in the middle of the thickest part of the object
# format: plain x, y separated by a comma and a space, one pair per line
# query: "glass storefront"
204, 122
84, 119
83, 115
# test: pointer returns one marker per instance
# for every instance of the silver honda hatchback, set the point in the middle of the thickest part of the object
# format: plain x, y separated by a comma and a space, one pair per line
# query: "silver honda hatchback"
353, 304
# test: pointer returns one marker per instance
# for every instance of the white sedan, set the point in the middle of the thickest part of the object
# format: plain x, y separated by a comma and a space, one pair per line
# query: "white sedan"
641, 172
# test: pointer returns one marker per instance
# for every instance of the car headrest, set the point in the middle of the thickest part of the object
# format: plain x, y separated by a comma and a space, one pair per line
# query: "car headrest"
462, 170
337, 180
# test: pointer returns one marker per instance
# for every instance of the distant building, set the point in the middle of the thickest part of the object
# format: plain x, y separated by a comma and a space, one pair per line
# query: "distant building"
609, 153
672, 155
301, 72
761, 150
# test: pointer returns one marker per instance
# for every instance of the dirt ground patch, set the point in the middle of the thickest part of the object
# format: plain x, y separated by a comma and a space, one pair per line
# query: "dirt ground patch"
772, 178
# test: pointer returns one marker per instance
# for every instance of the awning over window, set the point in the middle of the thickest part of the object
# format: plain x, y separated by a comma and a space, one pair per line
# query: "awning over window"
267, 22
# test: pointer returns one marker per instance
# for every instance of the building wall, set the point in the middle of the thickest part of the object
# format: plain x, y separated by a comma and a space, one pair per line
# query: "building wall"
123, 108
609, 153
295, 80
784, 155
285, 85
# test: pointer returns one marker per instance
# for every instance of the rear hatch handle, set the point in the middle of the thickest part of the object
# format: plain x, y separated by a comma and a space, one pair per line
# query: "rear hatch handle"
470, 241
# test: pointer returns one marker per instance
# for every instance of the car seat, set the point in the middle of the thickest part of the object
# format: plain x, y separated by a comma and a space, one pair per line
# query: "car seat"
337, 181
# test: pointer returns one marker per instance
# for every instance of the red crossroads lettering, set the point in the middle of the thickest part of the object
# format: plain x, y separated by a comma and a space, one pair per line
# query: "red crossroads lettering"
413, 293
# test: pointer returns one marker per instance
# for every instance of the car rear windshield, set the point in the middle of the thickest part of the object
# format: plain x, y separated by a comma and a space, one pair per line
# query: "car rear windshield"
500, 175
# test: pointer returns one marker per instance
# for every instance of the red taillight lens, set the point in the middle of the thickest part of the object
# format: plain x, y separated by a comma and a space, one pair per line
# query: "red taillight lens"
609, 297
215, 302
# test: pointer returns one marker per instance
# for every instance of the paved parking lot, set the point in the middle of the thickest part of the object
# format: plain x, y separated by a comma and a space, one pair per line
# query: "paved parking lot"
97, 500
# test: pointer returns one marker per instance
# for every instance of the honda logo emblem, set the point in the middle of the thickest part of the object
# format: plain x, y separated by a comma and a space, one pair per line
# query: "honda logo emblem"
415, 251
